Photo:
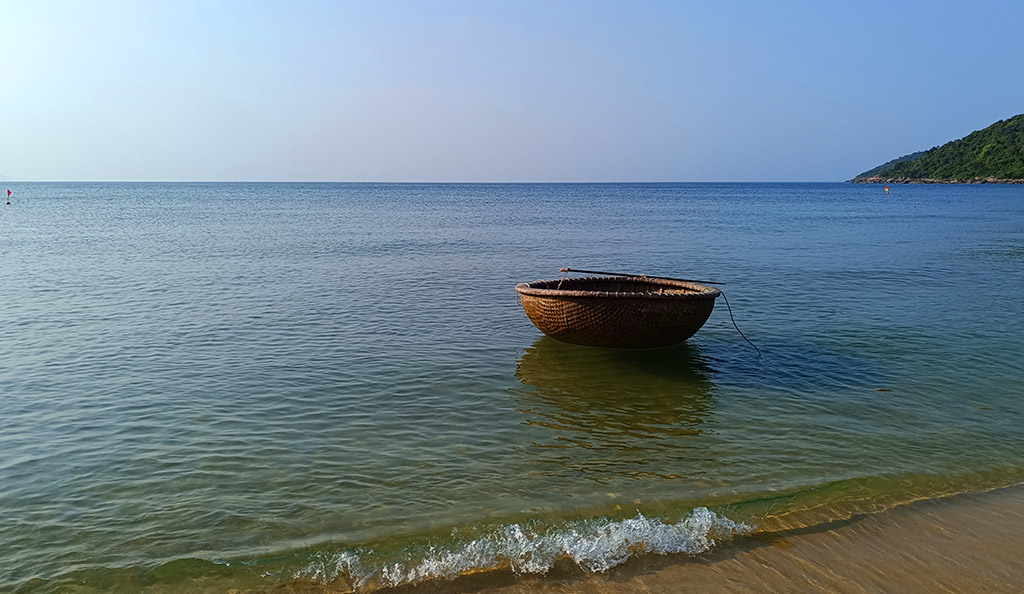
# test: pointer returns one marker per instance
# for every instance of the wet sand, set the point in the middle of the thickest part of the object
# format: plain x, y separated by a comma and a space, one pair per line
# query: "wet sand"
966, 543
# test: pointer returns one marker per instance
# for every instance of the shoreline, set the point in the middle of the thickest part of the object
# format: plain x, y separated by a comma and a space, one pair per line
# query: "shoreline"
961, 543
927, 180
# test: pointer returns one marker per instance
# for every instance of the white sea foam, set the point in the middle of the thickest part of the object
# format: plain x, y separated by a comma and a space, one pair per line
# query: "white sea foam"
594, 545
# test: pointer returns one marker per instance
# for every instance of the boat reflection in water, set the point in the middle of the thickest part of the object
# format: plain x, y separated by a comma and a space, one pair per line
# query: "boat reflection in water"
615, 413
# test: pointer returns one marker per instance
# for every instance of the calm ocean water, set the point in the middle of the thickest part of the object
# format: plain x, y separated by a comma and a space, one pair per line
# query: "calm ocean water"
243, 385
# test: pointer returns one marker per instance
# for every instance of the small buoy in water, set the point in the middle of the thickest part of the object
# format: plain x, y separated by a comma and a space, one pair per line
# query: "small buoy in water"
887, 190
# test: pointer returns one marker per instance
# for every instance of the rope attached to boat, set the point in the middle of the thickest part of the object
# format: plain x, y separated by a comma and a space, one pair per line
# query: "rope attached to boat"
729, 307
565, 272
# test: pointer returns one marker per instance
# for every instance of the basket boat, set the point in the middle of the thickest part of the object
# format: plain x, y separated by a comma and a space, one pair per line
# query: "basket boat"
618, 311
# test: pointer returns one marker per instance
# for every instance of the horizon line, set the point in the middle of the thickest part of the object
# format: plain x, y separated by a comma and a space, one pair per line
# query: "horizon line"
266, 181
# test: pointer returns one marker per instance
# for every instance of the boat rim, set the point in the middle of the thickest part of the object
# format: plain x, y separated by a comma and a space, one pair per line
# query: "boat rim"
697, 290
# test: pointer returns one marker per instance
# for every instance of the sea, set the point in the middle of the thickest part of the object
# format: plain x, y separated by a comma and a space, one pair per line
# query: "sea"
264, 386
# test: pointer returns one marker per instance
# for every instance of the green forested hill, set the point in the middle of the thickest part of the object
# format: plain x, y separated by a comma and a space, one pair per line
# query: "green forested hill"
890, 165
991, 155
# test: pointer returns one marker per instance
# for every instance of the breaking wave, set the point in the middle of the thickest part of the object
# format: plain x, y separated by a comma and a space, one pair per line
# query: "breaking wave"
594, 545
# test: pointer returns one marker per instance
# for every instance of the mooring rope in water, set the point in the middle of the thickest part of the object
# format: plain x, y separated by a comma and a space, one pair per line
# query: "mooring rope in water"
729, 307
566, 271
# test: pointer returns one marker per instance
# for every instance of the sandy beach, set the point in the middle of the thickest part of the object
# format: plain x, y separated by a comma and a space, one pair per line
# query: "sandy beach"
965, 543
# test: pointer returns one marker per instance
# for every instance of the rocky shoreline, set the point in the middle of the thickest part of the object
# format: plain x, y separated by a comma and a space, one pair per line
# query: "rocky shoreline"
878, 179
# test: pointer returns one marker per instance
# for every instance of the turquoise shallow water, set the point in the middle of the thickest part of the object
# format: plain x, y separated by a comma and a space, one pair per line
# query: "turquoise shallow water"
250, 384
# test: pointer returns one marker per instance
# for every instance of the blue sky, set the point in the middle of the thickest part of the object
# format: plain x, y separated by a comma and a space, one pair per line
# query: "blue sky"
495, 91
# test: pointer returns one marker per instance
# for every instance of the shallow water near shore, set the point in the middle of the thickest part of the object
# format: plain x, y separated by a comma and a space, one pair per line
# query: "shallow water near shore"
250, 386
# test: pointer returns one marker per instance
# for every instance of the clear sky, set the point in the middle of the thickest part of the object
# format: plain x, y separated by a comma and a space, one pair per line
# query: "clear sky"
518, 90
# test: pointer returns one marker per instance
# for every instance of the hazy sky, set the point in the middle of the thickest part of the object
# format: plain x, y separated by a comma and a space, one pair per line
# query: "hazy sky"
424, 90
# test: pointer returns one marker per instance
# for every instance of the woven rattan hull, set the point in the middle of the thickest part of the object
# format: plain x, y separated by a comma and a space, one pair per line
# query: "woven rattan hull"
618, 312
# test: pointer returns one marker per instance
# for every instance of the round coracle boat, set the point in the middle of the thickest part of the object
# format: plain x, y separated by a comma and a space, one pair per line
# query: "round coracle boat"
618, 311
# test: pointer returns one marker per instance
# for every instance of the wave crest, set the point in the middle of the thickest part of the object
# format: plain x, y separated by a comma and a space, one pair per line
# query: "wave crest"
594, 545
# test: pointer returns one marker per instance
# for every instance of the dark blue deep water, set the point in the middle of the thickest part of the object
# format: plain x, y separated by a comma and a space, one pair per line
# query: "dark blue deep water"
243, 385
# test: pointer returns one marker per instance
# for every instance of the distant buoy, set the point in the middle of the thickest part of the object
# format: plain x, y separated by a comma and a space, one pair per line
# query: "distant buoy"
887, 190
